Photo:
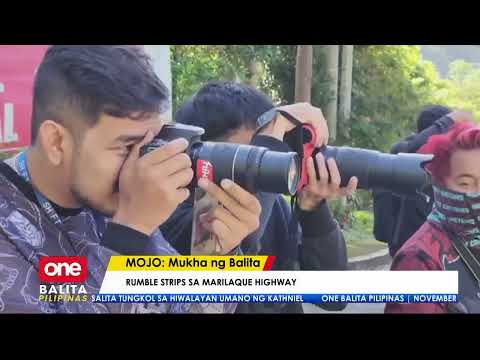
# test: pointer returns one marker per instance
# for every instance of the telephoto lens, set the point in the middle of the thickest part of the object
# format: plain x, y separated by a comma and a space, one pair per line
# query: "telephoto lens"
399, 173
254, 168
403, 174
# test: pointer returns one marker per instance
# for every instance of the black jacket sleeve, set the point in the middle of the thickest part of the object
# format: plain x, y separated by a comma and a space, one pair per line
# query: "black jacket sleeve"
416, 141
383, 219
125, 240
178, 227
323, 246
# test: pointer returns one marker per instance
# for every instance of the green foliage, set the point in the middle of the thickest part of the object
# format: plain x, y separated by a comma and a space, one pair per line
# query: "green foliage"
461, 88
363, 220
195, 65
363, 200
342, 210
443, 55
361, 229
391, 83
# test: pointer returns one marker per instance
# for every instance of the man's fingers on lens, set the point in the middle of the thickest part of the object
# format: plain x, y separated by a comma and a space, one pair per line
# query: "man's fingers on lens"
347, 190
335, 179
236, 226
220, 229
246, 199
312, 175
225, 216
226, 200
235, 229
213, 190
322, 169
352, 185
226, 238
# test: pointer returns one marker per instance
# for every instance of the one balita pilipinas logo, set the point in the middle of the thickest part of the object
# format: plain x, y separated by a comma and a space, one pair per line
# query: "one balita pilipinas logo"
57, 274
190, 263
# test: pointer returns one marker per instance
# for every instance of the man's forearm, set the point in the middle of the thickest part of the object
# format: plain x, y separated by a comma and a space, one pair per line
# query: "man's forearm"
323, 244
127, 241
440, 126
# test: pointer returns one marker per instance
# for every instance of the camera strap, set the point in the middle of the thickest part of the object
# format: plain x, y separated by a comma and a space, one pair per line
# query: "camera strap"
293, 138
466, 255
290, 118
271, 115
301, 139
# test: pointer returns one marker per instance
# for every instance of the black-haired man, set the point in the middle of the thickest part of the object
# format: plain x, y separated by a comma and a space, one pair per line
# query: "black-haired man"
81, 189
228, 112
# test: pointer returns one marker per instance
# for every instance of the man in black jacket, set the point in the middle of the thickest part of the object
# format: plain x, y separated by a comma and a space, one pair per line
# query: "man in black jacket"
396, 217
310, 239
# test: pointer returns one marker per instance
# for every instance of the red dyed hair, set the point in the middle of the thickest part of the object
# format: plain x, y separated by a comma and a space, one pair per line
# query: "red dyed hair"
461, 136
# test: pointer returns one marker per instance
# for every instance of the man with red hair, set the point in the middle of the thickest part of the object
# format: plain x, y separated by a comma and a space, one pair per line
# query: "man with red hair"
454, 222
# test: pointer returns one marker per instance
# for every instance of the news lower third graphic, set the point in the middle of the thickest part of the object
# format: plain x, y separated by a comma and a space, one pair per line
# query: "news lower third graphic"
220, 279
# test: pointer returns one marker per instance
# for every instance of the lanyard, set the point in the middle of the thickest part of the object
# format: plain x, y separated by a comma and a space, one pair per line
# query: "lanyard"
44, 203
50, 211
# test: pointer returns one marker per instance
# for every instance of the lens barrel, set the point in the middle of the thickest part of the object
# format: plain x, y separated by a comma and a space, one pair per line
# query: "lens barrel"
400, 173
252, 167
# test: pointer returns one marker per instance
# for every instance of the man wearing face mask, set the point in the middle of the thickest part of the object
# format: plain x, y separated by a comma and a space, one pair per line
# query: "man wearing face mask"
450, 238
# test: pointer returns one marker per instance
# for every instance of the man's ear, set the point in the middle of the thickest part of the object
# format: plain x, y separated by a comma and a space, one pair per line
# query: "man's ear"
54, 139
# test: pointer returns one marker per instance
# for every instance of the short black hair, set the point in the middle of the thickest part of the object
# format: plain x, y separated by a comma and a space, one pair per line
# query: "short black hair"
85, 81
430, 114
221, 108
